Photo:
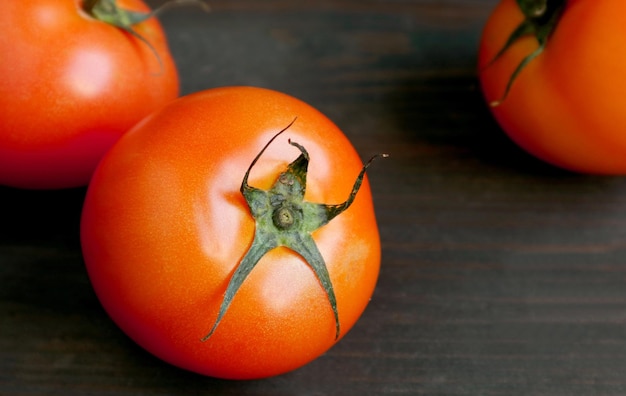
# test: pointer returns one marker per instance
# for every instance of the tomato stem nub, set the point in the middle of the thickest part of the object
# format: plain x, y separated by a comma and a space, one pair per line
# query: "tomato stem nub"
541, 18
283, 218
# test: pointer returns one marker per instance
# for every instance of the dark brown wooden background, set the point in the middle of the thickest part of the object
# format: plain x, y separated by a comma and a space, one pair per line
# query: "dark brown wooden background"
500, 275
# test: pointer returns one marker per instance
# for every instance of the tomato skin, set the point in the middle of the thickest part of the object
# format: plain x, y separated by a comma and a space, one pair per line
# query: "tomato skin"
164, 225
71, 87
565, 107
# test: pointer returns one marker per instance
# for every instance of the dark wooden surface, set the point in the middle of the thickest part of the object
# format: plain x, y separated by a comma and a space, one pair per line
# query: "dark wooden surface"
500, 275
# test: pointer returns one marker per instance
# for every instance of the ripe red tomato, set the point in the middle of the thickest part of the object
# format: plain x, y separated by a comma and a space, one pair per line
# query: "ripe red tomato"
565, 106
71, 86
165, 225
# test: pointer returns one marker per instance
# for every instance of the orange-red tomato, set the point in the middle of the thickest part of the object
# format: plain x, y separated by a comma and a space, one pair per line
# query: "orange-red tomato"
566, 106
71, 86
165, 225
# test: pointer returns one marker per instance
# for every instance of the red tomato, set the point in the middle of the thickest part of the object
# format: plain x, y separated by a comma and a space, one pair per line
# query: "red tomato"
71, 86
565, 106
165, 225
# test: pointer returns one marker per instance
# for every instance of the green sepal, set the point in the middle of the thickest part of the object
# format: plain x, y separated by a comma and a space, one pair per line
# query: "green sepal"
108, 11
283, 218
541, 18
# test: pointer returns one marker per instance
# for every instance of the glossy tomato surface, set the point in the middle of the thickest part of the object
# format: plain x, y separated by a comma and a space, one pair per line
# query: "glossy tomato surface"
165, 224
71, 86
566, 106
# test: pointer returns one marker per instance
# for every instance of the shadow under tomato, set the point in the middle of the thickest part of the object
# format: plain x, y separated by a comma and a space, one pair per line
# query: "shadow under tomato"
41, 216
447, 111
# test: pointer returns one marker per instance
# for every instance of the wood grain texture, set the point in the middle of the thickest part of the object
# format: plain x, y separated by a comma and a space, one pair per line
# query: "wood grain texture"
500, 275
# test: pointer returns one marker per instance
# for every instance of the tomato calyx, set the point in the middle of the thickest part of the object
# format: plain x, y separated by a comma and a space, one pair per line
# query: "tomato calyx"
541, 18
283, 218
108, 11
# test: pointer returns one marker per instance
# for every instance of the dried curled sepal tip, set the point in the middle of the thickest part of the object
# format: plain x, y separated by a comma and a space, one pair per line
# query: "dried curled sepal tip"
283, 218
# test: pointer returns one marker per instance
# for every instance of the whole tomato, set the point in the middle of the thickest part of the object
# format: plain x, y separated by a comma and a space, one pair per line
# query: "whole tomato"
72, 84
189, 222
554, 74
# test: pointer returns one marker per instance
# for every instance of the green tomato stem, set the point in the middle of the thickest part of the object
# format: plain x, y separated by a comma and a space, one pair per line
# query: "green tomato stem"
283, 218
108, 11
541, 18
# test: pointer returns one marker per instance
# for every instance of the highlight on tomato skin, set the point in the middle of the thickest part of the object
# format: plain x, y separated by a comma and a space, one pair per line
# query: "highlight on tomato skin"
166, 228
73, 85
555, 81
